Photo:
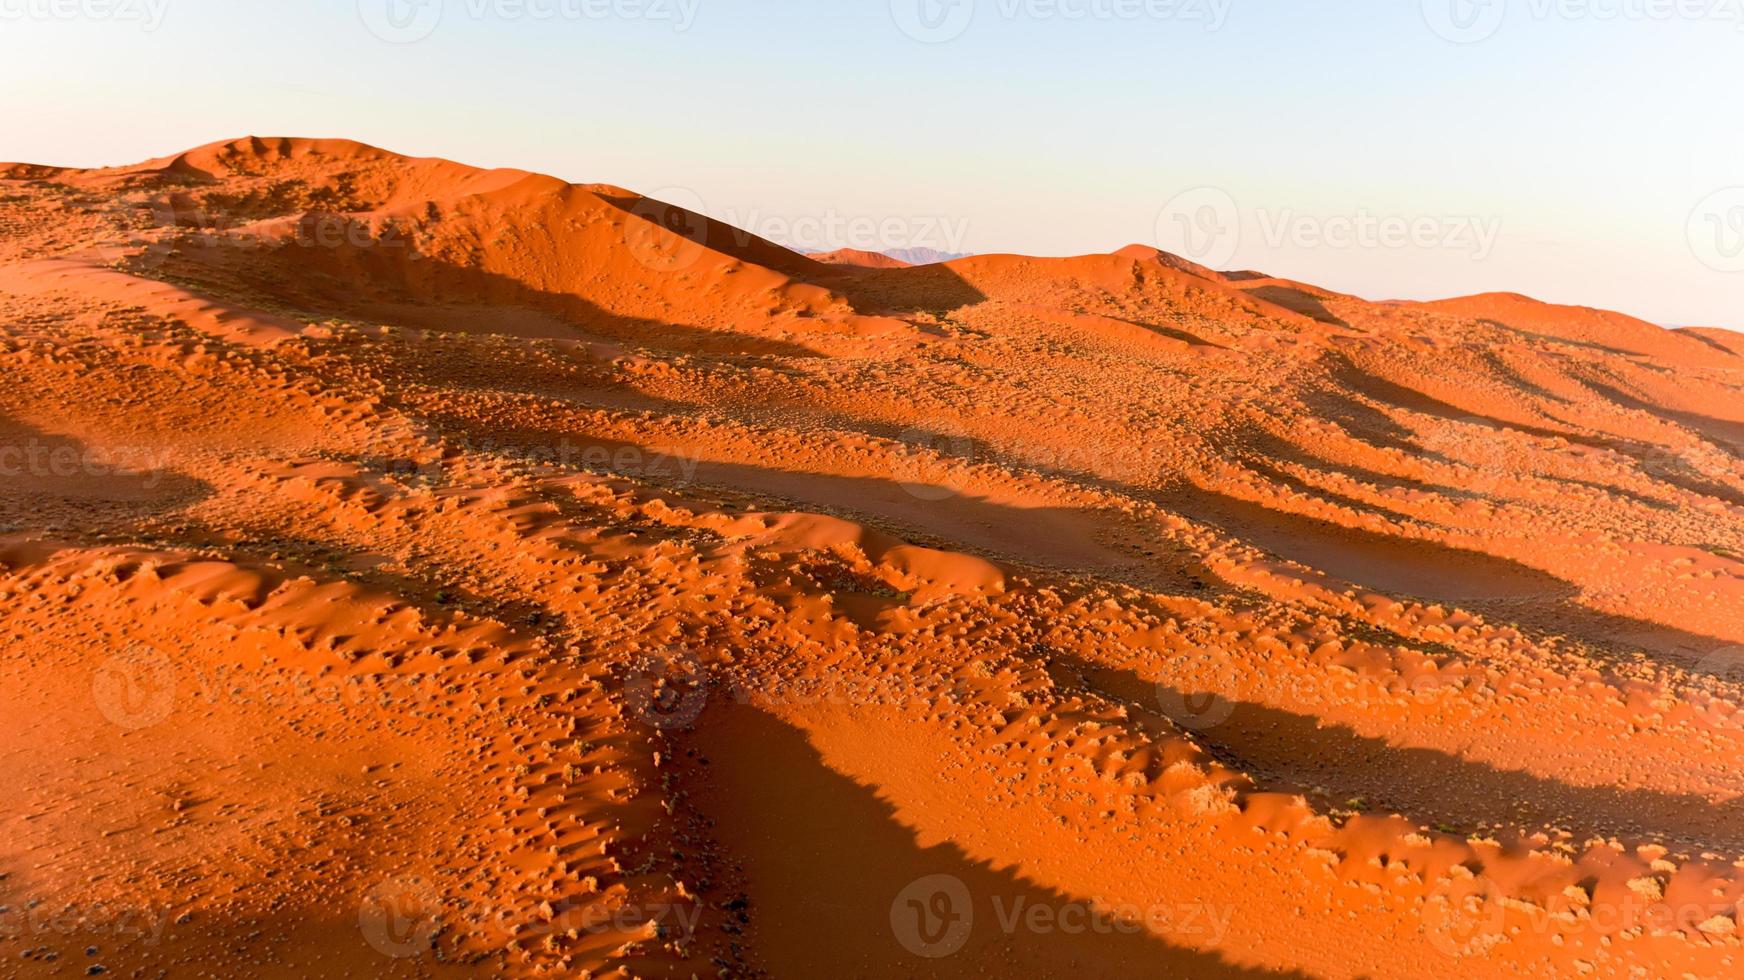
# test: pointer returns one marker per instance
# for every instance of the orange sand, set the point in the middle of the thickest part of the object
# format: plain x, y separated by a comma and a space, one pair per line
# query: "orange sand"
412, 570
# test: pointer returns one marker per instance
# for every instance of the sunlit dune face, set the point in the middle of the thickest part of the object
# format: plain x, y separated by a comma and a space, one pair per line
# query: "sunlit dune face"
413, 570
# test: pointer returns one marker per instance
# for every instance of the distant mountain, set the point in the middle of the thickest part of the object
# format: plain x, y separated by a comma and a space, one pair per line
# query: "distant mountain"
854, 256
924, 256
903, 256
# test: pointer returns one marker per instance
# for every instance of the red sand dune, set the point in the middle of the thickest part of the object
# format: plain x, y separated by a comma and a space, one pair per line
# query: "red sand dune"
415, 570
861, 258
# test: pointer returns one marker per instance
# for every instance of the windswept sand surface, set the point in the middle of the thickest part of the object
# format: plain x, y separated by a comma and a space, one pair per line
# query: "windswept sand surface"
418, 571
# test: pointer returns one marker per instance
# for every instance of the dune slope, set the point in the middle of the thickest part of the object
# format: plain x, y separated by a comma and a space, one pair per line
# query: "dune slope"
415, 570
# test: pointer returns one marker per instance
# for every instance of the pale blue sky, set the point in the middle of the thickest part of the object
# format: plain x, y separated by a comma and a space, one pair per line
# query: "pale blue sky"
1590, 147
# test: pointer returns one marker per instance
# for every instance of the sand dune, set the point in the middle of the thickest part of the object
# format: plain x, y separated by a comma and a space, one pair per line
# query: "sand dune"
416, 570
861, 258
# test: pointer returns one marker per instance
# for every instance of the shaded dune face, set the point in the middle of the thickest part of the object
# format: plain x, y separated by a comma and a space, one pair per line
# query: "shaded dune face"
415, 570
